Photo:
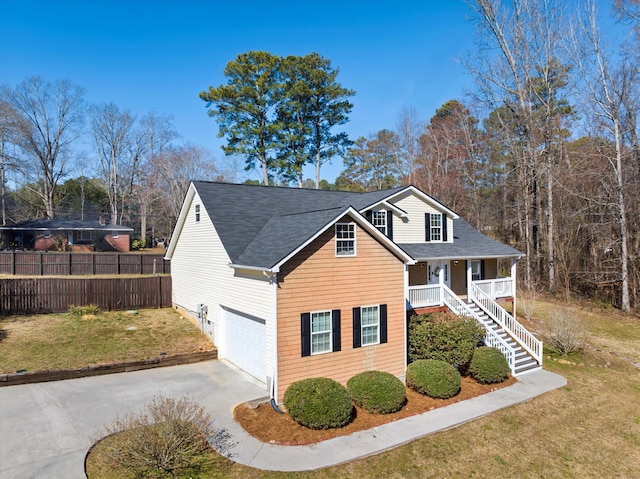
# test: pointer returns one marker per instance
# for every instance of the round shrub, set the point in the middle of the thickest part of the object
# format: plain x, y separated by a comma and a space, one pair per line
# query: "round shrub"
319, 403
434, 378
444, 336
488, 365
377, 391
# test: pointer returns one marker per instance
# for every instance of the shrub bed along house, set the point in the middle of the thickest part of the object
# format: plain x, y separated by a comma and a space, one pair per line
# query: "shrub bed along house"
434, 378
319, 403
445, 337
488, 365
377, 391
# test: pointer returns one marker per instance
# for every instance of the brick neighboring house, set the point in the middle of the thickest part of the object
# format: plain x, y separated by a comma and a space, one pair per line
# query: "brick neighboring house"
296, 283
66, 235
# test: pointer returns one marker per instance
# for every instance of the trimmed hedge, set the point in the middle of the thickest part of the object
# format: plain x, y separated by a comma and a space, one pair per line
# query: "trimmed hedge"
444, 336
377, 392
434, 378
319, 403
489, 365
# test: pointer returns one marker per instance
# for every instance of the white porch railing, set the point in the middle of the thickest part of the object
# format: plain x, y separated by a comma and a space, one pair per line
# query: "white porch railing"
460, 308
496, 288
507, 322
425, 295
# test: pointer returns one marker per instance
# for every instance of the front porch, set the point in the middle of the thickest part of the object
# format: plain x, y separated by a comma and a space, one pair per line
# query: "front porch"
462, 276
467, 291
431, 295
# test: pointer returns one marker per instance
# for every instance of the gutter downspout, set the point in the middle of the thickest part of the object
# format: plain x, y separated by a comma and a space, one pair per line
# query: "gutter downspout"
273, 281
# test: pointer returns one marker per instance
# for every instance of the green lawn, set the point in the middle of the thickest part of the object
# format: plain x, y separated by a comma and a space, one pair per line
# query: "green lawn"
590, 428
54, 341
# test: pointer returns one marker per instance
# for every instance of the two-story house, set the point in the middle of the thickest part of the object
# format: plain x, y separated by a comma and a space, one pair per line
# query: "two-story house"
297, 283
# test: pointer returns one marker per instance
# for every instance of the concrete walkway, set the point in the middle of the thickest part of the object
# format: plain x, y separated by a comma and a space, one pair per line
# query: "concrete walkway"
47, 428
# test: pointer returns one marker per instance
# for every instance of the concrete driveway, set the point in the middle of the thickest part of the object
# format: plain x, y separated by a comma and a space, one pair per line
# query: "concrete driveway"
47, 428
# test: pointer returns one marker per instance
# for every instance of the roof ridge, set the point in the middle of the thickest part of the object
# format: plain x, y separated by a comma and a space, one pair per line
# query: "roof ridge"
339, 207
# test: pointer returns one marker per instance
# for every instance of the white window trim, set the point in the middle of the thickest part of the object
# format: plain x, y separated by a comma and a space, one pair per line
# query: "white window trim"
435, 228
338, 240
476, 273
376, 215
362, 325
314, 353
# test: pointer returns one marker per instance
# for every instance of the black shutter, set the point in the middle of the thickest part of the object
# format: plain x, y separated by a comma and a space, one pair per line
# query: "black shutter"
335, 329
482, 274
383, 323
368, 214
357, 328
305, 329
427, 226
444, 227
390, 225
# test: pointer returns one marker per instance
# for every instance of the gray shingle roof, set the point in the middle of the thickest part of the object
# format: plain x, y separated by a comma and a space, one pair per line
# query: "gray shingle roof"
467, 243
259, 226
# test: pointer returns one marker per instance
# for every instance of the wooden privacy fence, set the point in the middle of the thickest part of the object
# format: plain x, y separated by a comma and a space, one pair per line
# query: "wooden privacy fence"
38, 263
55, 295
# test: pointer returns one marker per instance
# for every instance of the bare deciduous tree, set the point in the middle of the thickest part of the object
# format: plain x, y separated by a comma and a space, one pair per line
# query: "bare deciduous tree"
52, 119
607, 85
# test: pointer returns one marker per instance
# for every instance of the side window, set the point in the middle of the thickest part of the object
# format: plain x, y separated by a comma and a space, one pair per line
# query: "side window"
369, 325
370, 317
197, 213
345, 239
320, 332
476, 270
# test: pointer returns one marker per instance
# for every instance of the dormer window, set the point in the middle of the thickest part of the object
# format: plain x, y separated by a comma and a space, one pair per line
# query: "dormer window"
345, 239
436, 227
379, 220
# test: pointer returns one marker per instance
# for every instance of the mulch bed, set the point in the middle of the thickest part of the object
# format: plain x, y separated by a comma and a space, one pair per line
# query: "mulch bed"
267, 425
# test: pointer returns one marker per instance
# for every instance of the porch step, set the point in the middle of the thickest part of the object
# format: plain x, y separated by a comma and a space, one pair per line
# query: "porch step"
524, 362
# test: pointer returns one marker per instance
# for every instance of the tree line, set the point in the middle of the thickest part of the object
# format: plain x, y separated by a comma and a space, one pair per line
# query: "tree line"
543, 154
128, 168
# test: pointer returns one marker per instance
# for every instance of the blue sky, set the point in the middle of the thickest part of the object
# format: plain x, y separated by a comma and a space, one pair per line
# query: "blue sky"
158, 55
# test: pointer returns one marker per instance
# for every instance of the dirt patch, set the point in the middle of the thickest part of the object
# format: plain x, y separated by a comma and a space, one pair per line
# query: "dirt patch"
269, 426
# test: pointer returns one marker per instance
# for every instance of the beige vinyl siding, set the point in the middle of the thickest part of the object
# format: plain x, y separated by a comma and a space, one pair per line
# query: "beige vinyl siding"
316, 280
201, 274
412, 228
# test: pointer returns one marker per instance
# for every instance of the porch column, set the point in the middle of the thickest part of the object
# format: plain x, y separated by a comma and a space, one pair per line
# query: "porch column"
513, 285
441, 273
469, 279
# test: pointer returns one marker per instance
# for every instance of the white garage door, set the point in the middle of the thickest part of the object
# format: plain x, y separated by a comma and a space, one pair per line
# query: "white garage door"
245, 343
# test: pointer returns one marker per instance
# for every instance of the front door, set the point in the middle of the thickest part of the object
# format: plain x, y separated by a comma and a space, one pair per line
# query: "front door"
433, 272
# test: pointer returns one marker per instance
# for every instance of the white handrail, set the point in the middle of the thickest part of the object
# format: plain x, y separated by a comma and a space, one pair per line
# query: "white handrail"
460, 308
496, 288
507, 322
